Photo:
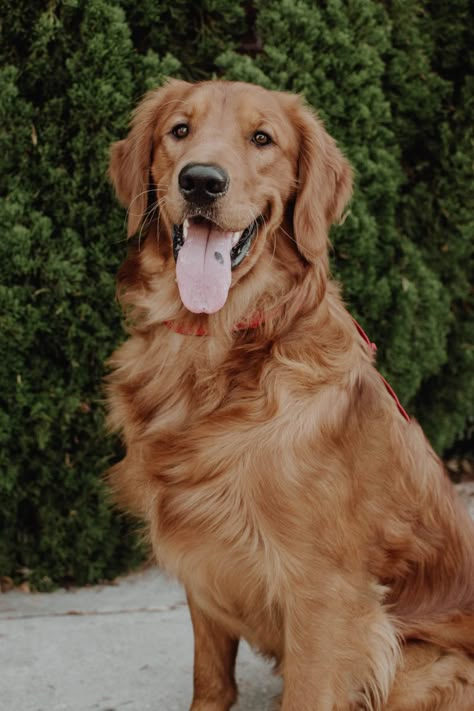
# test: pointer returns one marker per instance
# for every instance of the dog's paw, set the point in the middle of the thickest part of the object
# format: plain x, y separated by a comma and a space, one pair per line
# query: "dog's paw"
210, 706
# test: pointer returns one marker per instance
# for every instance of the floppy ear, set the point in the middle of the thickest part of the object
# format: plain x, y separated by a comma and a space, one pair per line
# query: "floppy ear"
130, 159
324, 186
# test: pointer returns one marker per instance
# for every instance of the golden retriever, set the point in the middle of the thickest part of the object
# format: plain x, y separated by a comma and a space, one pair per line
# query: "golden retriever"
278, 479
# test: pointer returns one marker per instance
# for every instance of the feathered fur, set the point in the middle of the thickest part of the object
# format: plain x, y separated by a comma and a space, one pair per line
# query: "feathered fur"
276, 477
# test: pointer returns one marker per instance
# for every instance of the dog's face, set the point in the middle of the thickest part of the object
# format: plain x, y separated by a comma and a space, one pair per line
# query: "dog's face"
225, 163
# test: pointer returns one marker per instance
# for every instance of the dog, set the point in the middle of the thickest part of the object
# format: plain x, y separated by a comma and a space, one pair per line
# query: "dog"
277, 477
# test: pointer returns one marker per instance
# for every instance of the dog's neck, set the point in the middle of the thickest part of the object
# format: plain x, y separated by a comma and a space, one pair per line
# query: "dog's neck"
256, 320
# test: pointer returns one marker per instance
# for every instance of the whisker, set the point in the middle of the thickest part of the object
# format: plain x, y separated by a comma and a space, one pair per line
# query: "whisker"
274, 237
160, 186
129, 209
258, 216
311, 254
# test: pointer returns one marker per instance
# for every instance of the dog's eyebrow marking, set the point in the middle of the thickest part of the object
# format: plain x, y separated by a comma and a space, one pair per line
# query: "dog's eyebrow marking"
174, 101
218, 257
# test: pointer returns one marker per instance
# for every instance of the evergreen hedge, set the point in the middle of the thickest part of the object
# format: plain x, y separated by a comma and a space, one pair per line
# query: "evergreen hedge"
394, 84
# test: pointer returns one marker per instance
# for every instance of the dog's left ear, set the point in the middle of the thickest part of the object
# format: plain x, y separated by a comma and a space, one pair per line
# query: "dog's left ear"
130, 158
324, 185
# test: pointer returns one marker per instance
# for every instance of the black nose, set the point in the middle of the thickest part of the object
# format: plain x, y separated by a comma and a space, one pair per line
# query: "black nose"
201, 183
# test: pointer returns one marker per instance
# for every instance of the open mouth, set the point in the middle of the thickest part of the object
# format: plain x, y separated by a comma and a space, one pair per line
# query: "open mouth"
205, 257
241, 240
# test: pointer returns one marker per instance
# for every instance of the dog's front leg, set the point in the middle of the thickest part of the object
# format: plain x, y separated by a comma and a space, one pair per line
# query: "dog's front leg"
340, 646
214, 663
307, 676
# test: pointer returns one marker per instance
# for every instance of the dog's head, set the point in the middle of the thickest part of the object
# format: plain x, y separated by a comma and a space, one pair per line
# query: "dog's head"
229, 167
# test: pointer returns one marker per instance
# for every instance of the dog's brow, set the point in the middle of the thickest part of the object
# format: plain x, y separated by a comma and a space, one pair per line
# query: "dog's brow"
272, 117
174, 101
185, 108
263, 116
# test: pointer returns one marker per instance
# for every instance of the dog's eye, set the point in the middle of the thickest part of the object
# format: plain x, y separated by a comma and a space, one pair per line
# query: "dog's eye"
181, 130
260, 138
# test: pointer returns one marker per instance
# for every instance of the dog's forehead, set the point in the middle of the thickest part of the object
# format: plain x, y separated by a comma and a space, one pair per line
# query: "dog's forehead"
241, 107
244, 103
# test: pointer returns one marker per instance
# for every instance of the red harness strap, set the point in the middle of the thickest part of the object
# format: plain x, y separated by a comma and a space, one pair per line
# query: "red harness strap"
392, 392
389, 388
258, 319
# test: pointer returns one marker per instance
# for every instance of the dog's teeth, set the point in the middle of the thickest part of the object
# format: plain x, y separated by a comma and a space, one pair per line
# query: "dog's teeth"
185, 228
235, 238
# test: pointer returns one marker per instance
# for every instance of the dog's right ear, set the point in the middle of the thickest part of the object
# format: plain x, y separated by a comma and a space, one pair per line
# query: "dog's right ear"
130, 159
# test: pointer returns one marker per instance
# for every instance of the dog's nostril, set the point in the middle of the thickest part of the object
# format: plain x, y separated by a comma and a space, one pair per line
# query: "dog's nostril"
203, 182
216, 185
186, 182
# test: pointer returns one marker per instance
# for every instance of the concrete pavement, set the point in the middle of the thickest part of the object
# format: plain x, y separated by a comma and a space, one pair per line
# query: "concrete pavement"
111, 647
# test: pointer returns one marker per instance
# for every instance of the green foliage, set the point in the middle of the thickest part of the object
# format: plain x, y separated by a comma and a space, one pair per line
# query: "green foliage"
58, 319
394, 84
431, 85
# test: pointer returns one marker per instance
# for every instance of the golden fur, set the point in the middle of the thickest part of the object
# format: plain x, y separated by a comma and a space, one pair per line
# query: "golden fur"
276, 476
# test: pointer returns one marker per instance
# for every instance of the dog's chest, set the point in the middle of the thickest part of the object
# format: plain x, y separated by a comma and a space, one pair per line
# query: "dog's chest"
218, 515
224, 478
221, 473
216, 548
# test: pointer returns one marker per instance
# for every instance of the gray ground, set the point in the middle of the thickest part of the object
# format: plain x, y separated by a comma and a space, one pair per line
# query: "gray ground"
123, 646
107, 648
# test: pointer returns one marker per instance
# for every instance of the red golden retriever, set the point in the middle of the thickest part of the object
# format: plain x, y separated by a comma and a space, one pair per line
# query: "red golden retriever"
277, 477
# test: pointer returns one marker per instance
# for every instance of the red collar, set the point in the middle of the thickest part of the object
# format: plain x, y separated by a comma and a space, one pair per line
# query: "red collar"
258, 319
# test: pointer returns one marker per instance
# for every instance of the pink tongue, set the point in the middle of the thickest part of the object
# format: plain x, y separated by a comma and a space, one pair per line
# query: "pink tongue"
203, 269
